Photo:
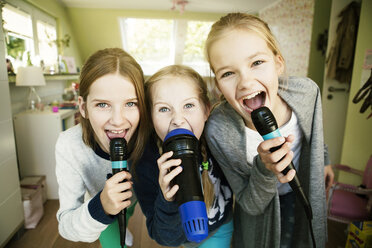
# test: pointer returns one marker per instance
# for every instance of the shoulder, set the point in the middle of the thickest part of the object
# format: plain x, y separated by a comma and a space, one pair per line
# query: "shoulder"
74, 132
223, 116
71, 139
299, 92
224, 127
302, 85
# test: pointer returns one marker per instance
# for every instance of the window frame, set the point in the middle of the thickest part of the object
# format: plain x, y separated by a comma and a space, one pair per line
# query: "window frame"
180, 28
36, 15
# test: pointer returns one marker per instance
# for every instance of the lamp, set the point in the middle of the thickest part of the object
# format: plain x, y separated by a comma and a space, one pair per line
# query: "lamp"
31, 76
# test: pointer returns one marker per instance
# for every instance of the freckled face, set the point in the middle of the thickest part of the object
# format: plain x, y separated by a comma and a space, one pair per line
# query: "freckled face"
111, 108
176, 104
247, 72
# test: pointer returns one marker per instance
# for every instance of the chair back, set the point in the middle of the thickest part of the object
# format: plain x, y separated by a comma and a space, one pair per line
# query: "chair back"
367, 177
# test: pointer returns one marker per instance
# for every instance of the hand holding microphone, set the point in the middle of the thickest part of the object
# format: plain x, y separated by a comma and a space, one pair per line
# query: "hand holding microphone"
189, 196
265, 123
119, 156
168, 169
277, 156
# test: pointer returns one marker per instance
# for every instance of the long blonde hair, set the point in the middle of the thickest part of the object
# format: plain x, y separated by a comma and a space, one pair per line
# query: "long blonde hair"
241, 21
108, 61
186, 72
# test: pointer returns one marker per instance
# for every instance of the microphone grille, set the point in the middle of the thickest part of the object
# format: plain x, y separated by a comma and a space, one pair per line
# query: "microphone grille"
118, 149
263, 120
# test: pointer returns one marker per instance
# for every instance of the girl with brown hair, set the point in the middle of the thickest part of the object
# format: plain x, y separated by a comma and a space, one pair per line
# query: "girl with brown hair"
112, 105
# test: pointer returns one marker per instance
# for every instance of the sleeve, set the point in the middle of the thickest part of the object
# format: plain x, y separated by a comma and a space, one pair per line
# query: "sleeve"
75, 222
318, 116
253, 185
327, 160
162, 218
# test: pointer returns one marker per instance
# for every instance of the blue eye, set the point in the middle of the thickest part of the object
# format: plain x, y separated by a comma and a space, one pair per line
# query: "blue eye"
131, 104
189, 105
102, 105
258, 62
226, 74
163, 109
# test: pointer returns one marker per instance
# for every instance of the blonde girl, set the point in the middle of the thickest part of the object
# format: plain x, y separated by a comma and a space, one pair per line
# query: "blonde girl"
177, 98
248, 65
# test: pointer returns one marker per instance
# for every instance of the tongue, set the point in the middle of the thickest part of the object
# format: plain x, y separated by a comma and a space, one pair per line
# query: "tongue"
115, 135
254, 103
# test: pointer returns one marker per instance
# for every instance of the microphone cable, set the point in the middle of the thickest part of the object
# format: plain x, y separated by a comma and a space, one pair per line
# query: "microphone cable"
265, 123
119, 156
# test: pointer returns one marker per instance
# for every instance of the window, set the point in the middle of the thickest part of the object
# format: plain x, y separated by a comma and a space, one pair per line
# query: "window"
193, 55
156, 43
46, 34
149, 41
30, 35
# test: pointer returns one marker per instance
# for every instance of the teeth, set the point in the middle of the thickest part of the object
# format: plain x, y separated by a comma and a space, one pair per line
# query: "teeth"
251, 95
117, 132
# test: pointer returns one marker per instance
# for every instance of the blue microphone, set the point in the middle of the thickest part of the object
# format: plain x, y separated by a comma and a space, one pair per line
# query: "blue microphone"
189, 197
119, 156
265, 123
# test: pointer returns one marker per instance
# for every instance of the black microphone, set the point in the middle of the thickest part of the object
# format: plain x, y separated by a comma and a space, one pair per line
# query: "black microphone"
119, 156
189, 196
265, 123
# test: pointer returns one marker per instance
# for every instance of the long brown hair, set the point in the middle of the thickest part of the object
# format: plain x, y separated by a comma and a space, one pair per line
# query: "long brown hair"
186, 72
108, 61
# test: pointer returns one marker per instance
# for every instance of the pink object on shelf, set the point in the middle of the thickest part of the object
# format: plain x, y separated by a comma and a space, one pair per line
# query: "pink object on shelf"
55, 109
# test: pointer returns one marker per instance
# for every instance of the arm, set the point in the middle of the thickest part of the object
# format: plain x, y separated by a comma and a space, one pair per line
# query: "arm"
75, 220
253, 185
162, 217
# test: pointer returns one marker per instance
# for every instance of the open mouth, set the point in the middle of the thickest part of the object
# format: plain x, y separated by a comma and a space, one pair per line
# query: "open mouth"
254, 101
111, 134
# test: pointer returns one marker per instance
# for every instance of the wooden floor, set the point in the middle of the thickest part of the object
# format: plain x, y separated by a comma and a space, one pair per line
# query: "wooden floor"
45, 235
337, 234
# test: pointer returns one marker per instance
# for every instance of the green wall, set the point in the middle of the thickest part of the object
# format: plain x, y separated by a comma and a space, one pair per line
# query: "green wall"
357, 145
64, 25
99, 28
321, 17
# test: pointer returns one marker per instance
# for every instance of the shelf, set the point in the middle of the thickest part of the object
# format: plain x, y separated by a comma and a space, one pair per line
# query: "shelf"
51, 77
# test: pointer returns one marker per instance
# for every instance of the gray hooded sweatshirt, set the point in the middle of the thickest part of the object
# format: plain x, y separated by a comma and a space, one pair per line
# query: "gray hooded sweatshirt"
257, 212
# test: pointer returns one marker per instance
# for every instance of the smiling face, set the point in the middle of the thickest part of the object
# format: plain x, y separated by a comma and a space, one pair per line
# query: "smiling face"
247, 72
176, 104
111, 108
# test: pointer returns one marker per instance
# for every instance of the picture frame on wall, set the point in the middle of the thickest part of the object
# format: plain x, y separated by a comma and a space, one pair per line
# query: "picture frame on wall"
69, 64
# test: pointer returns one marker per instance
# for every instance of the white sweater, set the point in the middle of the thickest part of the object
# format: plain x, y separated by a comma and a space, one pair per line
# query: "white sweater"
79, 171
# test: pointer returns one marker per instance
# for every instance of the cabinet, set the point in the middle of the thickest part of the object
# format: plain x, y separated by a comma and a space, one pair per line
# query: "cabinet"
36, 135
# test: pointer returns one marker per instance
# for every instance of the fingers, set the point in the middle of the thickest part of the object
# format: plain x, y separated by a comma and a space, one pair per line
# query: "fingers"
290, 138
328, 176
169, 196
286, 178
266, 145
164, 164
283, 156
116, 193
277, 160
168, 170
119, 177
